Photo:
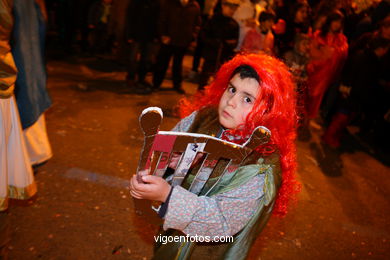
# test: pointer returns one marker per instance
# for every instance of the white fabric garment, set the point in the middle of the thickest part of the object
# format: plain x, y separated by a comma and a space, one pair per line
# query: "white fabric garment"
37, 142
247, 10
15, 167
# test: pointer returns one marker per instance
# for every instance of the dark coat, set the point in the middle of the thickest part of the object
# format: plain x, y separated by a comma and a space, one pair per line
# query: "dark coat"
216, 34
142, 19
95, 12
180, 23
362, 73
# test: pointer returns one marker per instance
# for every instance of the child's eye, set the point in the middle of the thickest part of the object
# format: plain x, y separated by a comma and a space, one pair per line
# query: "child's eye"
232, 90
247, 100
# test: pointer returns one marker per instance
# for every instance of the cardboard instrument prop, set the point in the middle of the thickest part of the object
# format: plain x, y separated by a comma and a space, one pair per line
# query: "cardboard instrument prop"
161, 146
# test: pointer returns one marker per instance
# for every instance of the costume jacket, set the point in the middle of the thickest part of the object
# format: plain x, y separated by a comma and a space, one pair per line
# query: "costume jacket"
220, 36
142, 18
27, 44
180, 23
239, 206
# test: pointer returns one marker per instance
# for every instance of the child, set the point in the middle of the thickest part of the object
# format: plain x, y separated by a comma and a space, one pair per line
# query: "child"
260, 39
248, 91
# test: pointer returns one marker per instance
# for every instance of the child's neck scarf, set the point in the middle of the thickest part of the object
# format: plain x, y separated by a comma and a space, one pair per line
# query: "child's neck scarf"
233, 136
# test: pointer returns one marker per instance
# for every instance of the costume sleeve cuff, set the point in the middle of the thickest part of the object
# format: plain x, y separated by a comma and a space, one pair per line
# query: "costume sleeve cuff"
164, 206
182, 206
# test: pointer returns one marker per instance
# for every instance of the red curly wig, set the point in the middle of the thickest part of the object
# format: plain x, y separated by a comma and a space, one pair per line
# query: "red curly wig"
274, 108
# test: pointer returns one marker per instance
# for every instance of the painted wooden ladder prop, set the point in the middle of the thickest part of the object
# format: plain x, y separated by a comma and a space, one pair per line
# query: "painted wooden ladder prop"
160, 146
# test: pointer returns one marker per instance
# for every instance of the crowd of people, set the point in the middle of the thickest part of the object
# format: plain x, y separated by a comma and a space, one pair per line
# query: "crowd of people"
317, 39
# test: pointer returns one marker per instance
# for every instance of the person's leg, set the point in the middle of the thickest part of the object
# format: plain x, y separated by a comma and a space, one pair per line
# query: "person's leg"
209, 66
329, 101
142, 87
101, 38
177, 77
163, 57
334, 132
197, 55
199, 47
145, 63
132, 66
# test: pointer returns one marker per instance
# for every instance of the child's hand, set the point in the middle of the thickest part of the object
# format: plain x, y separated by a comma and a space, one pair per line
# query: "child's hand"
154, 188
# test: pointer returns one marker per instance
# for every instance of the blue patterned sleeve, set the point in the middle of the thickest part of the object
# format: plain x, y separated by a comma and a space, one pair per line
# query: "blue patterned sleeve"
185, 123
224, 214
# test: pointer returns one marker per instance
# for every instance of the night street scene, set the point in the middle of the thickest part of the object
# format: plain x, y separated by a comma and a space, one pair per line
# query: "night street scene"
194, 129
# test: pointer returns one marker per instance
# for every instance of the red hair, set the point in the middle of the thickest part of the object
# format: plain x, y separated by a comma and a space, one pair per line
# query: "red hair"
274, 108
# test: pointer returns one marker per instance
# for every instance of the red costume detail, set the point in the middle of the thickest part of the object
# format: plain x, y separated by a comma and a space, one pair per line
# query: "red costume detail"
274, 108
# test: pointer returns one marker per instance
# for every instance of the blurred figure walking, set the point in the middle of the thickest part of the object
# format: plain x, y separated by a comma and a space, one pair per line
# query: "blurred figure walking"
142, 37
99, 15
16, 176
329, 49
179, 25
220, 38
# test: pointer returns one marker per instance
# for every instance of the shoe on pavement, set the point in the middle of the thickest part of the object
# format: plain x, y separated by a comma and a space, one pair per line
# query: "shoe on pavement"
142, 90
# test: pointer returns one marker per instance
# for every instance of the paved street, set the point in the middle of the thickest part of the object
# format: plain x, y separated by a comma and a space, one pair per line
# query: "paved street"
83, 209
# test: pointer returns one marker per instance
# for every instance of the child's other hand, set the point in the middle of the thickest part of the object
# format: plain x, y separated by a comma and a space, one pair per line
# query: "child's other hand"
154, 188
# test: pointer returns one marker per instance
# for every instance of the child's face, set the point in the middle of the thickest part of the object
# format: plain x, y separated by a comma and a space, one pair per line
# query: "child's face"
335, 26
267, 25
237, 101
301, 15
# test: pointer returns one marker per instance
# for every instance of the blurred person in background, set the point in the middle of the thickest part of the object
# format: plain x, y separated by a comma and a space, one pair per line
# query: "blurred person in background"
141, 35
362, 92
328, 52
297, 60
296, 23
178, 26
16, 175
363, 41
247, 15
208, 9
220, 38
99, 15
28, 47
261, 38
